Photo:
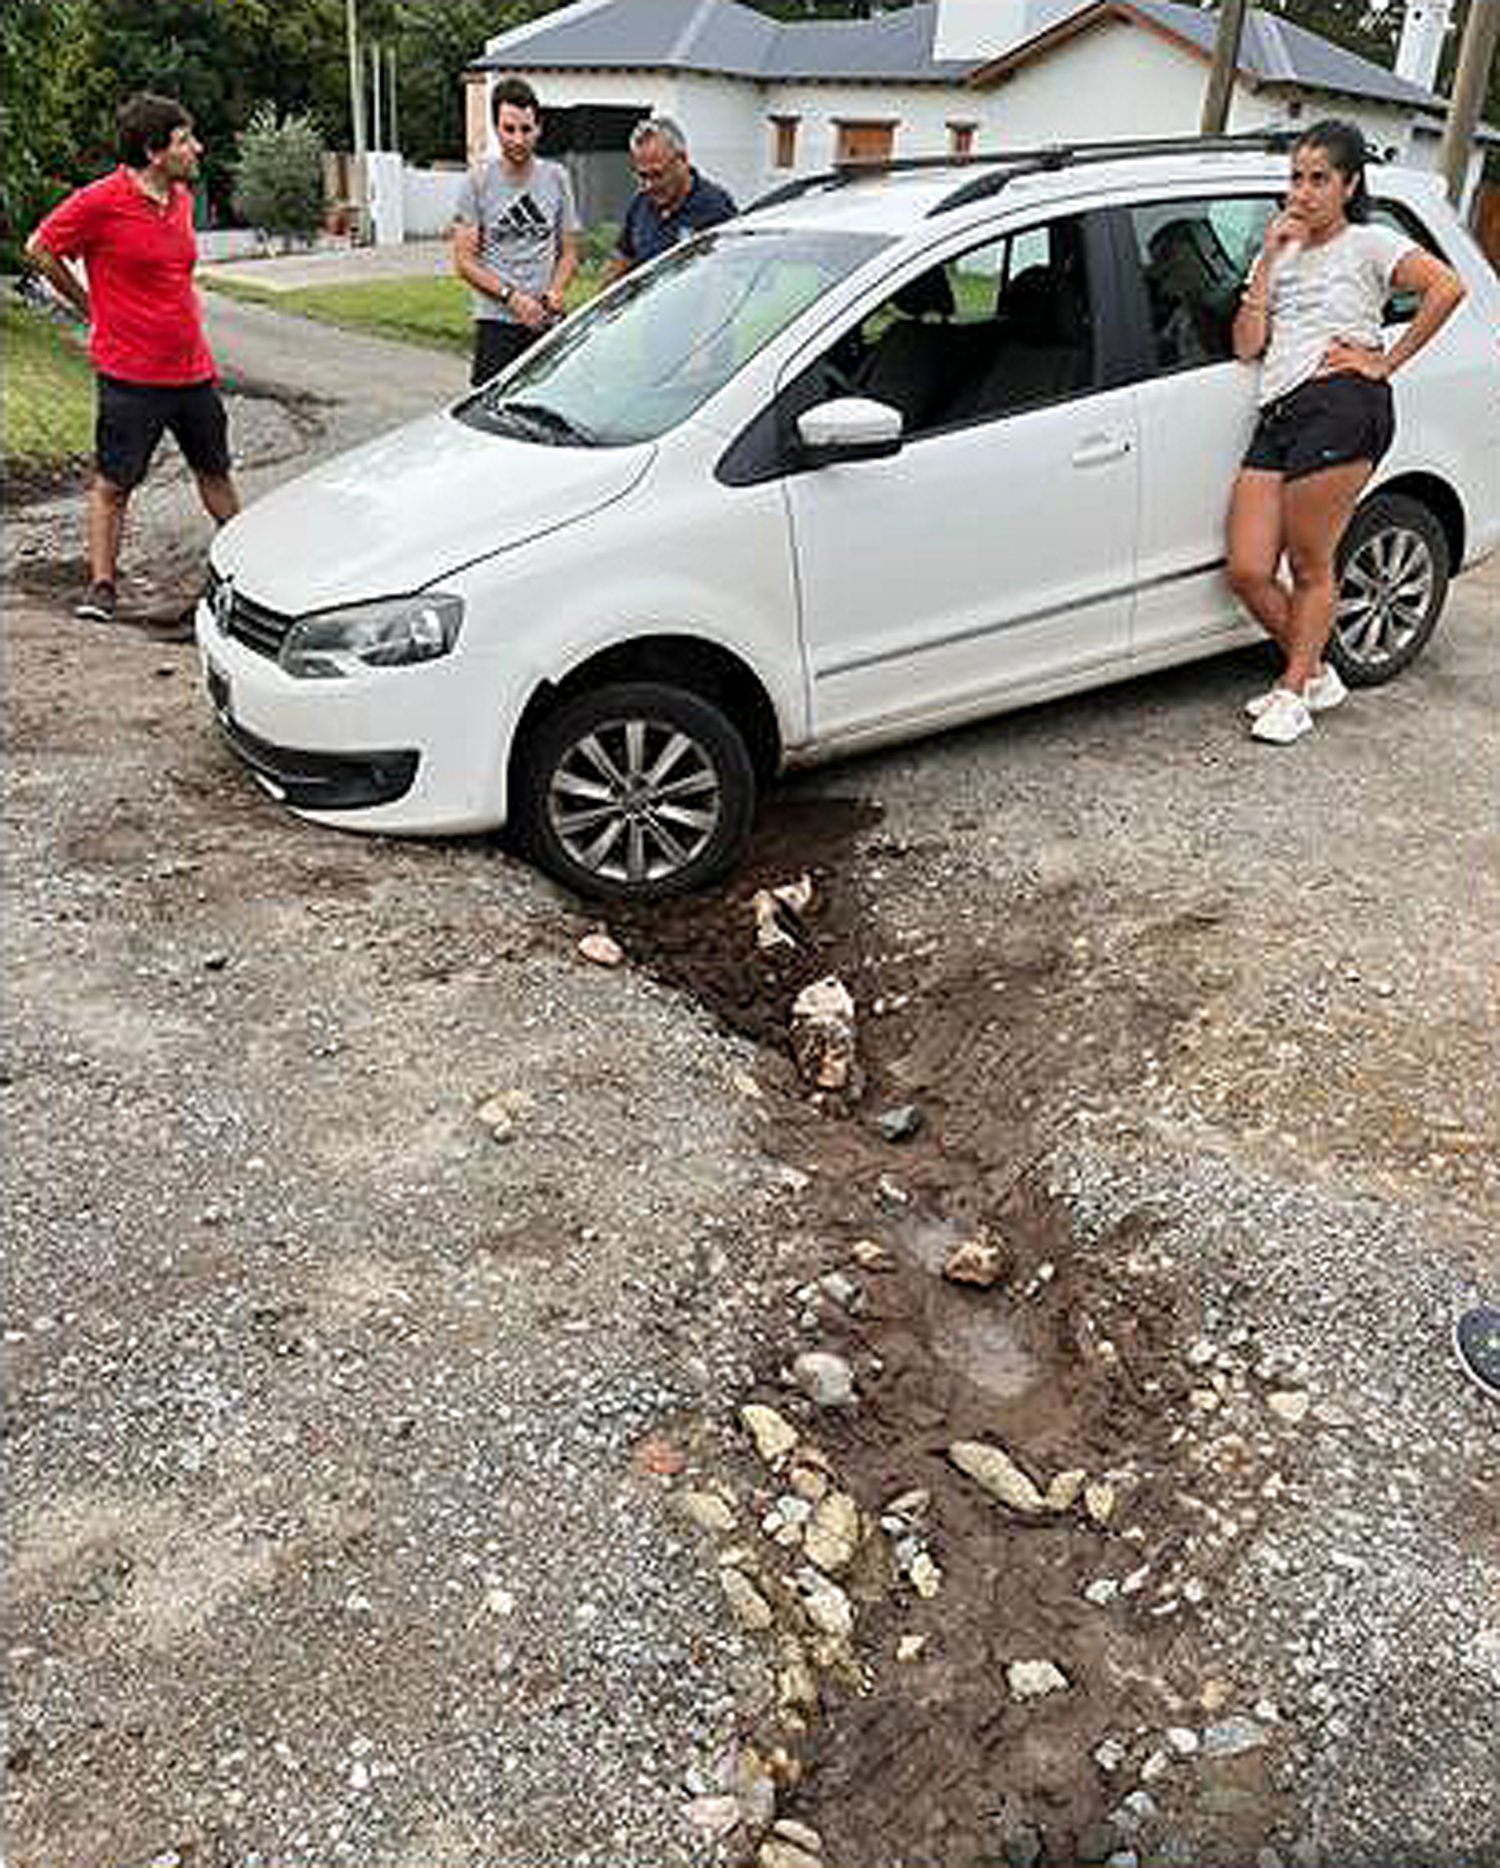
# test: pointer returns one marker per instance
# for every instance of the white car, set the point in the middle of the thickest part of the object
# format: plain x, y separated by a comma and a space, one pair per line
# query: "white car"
896, 449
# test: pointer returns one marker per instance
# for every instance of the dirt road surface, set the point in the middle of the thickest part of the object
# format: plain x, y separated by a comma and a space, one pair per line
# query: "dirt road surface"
386, 1282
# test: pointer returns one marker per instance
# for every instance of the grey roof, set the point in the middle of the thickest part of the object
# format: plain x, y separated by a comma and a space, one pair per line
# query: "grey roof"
727, 39
1274, 51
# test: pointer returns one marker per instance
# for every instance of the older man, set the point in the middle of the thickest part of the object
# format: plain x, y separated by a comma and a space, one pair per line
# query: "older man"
673, 201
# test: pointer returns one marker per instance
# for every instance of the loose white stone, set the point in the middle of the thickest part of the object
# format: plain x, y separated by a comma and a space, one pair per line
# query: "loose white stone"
802, 1834
926, 1577
993, 1468
828, 1608
978, 1262
911, 1647
750, 1607
1063, 1489
824, 1378
1290, 1405
1101, 1591
601, 949
1135, 1580
707, 1510
1109, 1754
777, 1853
832, 1536
1034, 1679
773, 1434
1155, 1766
1182, 1739
1099, 1501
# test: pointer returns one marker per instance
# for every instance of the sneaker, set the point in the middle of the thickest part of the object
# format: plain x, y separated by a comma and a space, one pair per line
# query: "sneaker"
1476, 1337
1283, 718
1323, 693
97, 604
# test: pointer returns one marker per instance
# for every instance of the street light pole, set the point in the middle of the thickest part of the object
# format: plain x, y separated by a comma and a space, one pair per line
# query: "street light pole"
1475, 56
1221, 74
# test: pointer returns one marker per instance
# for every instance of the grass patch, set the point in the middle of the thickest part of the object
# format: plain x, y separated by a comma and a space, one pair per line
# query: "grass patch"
47, 408
425, 309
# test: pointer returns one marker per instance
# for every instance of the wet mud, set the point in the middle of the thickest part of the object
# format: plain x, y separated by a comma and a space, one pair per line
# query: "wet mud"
1073, 1360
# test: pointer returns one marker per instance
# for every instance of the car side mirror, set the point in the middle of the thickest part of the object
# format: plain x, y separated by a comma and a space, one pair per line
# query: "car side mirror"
850, 428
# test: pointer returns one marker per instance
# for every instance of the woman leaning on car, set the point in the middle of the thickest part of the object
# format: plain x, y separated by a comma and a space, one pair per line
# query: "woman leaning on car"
1312, 310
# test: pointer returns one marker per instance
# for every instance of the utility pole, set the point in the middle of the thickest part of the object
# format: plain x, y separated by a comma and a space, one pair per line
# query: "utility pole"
1221, 74
356, 119
1475, 56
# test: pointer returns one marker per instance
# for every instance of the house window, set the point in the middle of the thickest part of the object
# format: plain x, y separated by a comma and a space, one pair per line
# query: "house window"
785, 129
961, 140
868, 141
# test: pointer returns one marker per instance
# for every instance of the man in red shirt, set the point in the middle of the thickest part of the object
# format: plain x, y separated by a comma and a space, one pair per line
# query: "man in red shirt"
133, 231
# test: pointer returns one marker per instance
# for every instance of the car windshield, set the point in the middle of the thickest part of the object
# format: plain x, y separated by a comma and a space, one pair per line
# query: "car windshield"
642, 359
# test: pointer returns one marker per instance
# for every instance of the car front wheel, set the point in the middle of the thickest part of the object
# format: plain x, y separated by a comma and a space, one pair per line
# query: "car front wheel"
1393, 579
635, 791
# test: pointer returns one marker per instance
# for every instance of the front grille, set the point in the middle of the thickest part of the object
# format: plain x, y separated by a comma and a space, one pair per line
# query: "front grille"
249, 622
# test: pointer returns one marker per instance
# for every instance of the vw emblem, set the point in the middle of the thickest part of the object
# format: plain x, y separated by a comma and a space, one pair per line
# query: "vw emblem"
223, 605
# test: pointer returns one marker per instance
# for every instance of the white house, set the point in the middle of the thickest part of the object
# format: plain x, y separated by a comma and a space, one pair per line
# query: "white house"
763, 101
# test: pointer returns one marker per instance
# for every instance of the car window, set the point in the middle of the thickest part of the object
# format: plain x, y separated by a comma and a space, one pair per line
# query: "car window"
1003, 327
1401, 307
647, 355
1193, 258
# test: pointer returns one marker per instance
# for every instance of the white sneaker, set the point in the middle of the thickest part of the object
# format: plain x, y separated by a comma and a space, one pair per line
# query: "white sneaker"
1284, 717
1323, 693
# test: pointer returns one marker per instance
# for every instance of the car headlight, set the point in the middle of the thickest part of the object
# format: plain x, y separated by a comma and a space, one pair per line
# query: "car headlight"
389, 634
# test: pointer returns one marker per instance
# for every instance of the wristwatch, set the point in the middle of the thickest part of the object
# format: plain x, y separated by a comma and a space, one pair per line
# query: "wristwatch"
506, 293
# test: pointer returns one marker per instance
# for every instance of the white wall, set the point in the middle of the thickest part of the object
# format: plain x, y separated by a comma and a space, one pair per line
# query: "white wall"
429, 197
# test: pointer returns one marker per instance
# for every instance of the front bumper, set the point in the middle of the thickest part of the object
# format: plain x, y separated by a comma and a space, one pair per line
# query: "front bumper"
314, 781
410, 751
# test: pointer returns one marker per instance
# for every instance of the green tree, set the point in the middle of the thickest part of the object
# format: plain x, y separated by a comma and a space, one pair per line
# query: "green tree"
279, 178
55, 127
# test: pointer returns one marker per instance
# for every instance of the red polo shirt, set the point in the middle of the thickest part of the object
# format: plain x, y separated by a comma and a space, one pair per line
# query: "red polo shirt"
145, 325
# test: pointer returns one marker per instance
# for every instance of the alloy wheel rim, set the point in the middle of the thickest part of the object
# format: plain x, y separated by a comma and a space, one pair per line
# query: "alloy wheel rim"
1385, 595
635, 800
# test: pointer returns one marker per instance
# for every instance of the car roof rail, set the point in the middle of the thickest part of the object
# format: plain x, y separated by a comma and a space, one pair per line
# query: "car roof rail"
1067, 155
1005, 165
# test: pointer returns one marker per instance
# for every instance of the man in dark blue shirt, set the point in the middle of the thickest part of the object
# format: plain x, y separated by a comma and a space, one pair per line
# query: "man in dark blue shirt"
674, 199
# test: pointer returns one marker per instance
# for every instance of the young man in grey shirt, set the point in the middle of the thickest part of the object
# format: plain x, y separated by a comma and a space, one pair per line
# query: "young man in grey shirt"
515, 235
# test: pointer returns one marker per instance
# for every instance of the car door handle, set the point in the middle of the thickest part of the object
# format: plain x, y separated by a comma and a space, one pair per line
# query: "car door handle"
1093, 450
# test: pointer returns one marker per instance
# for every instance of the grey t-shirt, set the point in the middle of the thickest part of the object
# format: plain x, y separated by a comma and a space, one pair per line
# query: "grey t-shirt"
520, 224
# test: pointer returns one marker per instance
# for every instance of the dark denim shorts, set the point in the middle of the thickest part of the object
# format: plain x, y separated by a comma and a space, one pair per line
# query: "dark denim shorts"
1327, 421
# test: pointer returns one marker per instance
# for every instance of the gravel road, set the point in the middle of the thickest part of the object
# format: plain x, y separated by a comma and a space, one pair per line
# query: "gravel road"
385, 1279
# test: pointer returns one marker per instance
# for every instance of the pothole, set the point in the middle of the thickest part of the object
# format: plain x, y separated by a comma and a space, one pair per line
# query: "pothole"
919, 1744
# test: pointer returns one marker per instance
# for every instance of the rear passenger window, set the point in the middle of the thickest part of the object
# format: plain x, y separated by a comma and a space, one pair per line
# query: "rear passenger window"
1401, 307
1193, 257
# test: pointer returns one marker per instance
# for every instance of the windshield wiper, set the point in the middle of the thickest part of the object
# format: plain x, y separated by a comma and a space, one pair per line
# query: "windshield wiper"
546, 424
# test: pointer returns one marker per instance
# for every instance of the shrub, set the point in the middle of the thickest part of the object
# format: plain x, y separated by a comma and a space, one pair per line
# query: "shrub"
278, 183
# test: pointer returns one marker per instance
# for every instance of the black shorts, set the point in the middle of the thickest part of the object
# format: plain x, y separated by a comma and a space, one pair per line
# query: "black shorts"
1327, 421
131, 419
496, 342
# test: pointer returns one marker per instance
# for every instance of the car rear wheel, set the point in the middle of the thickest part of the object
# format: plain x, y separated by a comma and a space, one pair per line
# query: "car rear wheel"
1393, 580
636, 791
